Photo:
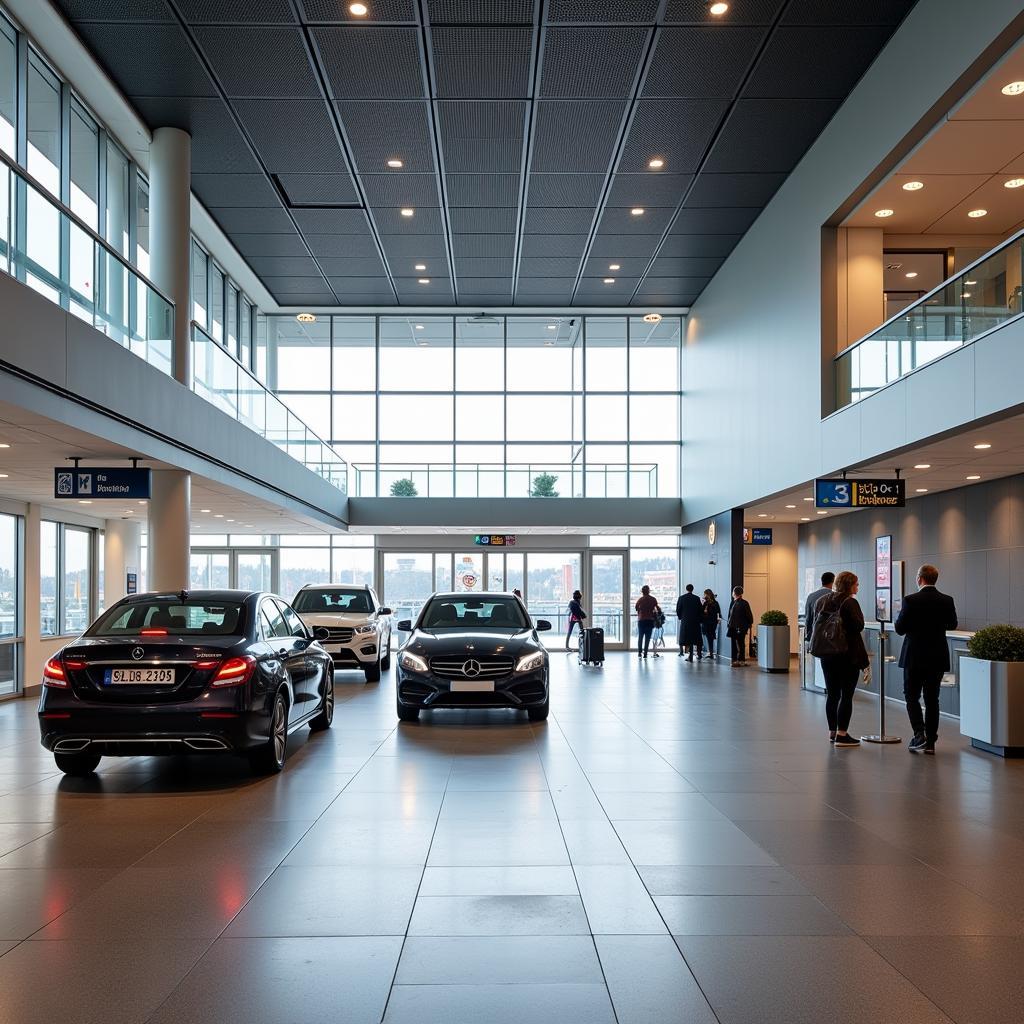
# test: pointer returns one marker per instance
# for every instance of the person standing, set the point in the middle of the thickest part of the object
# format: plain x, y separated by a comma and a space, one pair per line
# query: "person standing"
646, 611
924, 657
838, 642
740, 619
576, 615
688, 613
827, 579
710, 617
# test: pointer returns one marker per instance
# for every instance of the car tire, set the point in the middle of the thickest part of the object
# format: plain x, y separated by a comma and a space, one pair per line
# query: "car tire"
539, 713
373, 672
269, 758
78, 765
326, 717
407, 713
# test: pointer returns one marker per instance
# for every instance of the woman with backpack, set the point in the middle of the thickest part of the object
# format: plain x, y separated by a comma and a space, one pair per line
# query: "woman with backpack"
576, 616
838, 642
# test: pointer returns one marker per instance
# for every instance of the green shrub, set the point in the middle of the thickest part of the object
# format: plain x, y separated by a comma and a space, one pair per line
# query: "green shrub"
543, 486
997, 643
404, 489
774, 617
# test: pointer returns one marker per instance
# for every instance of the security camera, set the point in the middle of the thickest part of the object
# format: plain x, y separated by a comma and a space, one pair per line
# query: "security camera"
711, 561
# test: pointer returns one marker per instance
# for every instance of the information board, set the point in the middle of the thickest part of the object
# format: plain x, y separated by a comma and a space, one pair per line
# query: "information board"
101, 482
883, 578
877, 493
757, 535
495, 540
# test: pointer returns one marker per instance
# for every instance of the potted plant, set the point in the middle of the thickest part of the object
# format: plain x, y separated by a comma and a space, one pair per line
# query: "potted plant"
773, 641
992, 690
404, 488
543, 486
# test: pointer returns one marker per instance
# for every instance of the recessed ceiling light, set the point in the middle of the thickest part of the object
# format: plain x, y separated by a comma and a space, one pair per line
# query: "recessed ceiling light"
652, 318
808, 499
549, 344
204, 510
970, 282
974, 476
923, 465
921, 490
805, 519
656, 164
420, 266
791, 506
913, 186
131, 512
306, 318
423, 344
976, 213
609, 280
1013, 183
229, 520
614, 266
1013, 89
637, 211
84, 502
762, 515
5, 445
142, 503
884, 213
966, 295
218, 515
822, 513
396, 164
419, 327
358, 10
552, 327
407, 211
424, 280
3, 476
912, 273
982, 446
718, 9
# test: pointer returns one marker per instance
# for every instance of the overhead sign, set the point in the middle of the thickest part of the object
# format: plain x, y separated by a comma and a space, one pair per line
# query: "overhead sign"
116, 483
495, 540
757, 535
880, 493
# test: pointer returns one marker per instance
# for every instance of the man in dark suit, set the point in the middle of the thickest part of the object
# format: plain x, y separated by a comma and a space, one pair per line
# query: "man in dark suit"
923, 621
688, 610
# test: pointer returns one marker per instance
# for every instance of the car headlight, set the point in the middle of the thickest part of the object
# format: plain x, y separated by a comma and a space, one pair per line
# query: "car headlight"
530, 662
369, 627
412, 662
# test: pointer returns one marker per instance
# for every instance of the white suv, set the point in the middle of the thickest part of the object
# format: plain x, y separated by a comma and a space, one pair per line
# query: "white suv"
359, 629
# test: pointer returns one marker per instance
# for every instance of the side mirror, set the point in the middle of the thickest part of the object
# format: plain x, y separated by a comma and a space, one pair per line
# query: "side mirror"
385, 611
321, 633
542, 625
405, 625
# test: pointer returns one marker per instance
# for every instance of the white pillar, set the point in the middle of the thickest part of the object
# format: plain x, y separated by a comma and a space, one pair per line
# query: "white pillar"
169, 515
170, 182
121, 547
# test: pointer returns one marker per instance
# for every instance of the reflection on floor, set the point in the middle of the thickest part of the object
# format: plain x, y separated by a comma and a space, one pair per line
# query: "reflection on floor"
678, 843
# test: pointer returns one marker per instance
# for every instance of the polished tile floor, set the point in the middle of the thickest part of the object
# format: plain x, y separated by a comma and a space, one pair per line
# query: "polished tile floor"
677, 843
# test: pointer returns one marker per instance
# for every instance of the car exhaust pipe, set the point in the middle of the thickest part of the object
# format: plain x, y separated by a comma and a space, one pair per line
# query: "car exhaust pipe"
70, 746
205, 743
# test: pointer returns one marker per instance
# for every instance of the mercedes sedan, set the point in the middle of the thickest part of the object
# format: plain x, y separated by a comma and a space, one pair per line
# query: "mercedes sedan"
206, 671
473, 651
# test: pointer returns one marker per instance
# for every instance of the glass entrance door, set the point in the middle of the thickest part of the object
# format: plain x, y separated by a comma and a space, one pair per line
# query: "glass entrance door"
220, 569
608, 598
254, 570
551, 577
210, 569
469, 573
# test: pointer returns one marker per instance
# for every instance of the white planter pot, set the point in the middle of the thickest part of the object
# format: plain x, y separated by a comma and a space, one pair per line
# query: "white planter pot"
992, 701
773, 648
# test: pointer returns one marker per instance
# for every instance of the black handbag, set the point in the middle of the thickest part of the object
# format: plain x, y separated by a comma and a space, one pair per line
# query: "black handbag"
829, 634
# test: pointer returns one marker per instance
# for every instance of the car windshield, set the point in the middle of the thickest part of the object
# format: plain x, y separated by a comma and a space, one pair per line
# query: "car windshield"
474, 613
332, 602
170, 617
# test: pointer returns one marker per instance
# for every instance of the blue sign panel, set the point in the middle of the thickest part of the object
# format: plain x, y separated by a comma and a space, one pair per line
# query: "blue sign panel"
860, 493
833, 494
761, 535
115, 483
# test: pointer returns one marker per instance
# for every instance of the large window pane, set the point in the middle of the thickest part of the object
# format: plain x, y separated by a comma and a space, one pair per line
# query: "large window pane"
479, 355
9, 576
313, 410
408, 582
8, 87
654, 471
479, 471
653, 417
355, 417
353, 565
606, 353
607, 470
85, 166
47, 578
355, 353
606, 418
540, 353
210, 570
118, 194
299, 566
43, 125
232, 320
200, 311
543, 470
416, 354
550, 581
216, 303
479, 418
413, 417
300, 354
142, 228
654, 354
539, 417
427, 466
245, 332
76, 579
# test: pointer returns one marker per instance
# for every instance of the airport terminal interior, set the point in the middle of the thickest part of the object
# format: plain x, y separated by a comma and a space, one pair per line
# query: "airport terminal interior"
511, 511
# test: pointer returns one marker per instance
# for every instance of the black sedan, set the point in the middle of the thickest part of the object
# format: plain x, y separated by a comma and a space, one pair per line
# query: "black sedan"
206, 671
473, 651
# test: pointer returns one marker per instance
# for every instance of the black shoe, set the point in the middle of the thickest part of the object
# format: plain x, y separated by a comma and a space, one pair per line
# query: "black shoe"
831, 737
929, 748
916, 745
847, 741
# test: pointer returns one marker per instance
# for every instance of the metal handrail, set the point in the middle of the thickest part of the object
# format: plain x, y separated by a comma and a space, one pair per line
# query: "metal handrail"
39, 187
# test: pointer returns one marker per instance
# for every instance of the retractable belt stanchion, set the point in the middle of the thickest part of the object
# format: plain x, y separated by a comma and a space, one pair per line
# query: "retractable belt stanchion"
881, 737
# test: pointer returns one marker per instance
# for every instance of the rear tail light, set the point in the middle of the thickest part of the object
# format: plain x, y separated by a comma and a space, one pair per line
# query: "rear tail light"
54, 675
153, 632
235, 671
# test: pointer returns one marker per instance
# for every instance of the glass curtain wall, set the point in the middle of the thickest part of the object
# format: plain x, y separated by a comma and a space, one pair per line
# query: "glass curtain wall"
219, 306
11, 630
484, 406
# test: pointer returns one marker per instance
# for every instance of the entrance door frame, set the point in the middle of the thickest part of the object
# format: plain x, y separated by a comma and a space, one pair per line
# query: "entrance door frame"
624, 611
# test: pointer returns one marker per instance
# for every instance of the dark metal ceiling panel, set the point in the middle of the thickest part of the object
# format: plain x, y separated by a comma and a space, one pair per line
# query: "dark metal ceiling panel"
703, 61
721, 220
588, 63
815, 62
115, 10
556, 190
677, 131
235, 190
618, 220
483, 246
331, 221
618, 292
365, 62
493, 266
253, 221
437, 293
768, 135
301, 285
545, 285
690, 285
342, 245
734, 189
629, 266
489, 190
463, 12
616, 246
489, 285
484, 137
148, 60
576, 135
569, 221
217, 144
378, 132
685, 266
483, 220
240, 12
648, 189
846, 12
292, 135
414, 246
384, 12
749, 12
596, 11
319, 189
426, 221
400, 189
259, 62
482, 63
363, 289
283, 266
261, 244
699, 245
549, 266
352, 266
555, 245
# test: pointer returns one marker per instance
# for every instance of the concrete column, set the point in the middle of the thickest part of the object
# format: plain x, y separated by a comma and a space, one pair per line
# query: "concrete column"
170, 235
169, 534
121, 547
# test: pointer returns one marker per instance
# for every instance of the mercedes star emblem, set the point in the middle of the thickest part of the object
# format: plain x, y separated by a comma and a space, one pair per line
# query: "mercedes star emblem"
471, 669
138, 653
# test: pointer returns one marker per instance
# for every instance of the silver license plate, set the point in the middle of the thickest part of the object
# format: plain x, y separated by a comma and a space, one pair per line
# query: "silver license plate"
138, 677
472, 686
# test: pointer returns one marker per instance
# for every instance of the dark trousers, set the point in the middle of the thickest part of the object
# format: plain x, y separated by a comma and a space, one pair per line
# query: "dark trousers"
739, 646
644, 629
841, 676
926, 683
709, 641
572, 623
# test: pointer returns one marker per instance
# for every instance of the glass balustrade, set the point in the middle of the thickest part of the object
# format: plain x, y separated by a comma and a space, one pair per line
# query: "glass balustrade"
45, 246
220, 379
984, 296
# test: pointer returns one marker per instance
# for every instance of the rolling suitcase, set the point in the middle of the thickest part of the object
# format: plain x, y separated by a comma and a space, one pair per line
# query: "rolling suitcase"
592, 646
